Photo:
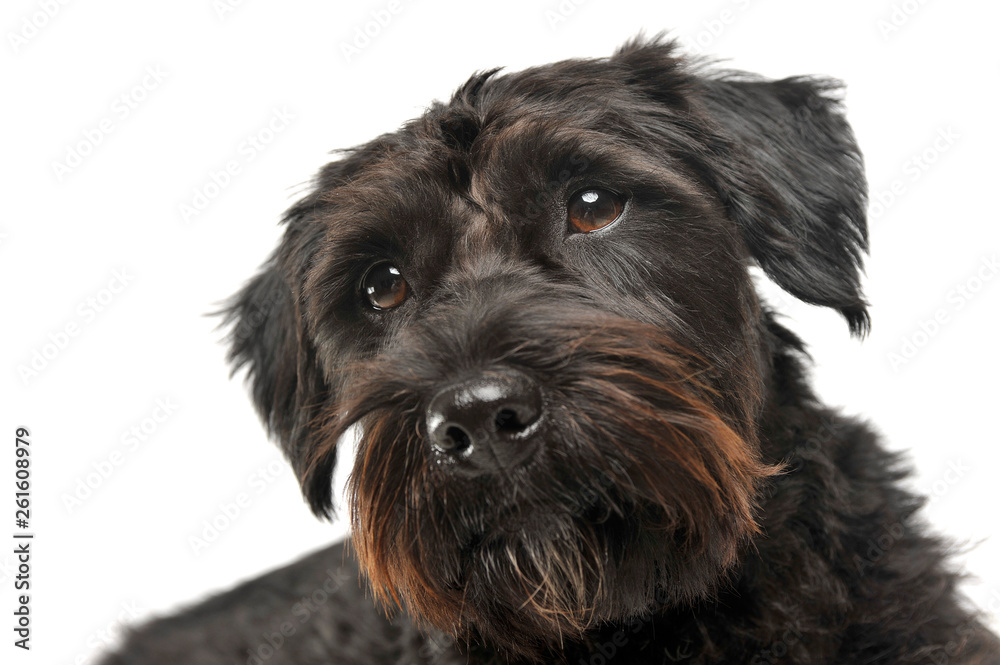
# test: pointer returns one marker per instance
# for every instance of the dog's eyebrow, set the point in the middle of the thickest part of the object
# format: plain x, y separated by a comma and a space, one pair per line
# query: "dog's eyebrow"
384, 211
560, 151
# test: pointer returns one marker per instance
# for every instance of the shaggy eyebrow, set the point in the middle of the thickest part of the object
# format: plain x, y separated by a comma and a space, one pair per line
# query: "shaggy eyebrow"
566, 156
372, 221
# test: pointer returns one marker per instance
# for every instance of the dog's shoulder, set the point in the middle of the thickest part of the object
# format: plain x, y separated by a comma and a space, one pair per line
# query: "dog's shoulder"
313, 610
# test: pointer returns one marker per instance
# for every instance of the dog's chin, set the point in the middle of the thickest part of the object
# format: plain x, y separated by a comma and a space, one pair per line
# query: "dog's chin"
534, 579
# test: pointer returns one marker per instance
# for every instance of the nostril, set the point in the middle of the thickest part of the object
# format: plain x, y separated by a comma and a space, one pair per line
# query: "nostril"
507, 421
457, 438
516, 418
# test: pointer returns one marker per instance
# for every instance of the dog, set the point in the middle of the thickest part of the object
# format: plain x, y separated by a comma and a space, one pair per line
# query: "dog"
583, 436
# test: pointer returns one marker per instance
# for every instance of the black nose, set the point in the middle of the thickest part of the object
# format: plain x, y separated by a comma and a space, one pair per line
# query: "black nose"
488, 423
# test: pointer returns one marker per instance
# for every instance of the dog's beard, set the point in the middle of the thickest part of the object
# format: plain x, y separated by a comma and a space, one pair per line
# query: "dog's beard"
642, 494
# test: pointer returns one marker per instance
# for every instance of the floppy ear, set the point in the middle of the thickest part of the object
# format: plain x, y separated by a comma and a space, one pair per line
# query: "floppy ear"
782, 159
794, 182
269, 334
268, 337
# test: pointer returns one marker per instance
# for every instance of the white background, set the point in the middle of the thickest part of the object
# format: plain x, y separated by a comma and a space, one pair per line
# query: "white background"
225, 73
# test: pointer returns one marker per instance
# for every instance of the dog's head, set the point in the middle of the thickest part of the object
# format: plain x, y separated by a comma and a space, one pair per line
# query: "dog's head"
535, 302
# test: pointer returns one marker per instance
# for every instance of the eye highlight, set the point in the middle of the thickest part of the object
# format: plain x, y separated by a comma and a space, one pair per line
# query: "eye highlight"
593, 208
383, 286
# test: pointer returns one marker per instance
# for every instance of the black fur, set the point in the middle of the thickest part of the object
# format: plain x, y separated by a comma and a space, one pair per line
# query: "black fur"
689, 499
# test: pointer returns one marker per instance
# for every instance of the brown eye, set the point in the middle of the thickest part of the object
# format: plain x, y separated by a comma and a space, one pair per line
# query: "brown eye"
592, 209
384, 286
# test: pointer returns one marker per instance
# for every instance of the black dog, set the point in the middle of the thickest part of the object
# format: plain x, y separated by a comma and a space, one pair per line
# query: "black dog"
584, 438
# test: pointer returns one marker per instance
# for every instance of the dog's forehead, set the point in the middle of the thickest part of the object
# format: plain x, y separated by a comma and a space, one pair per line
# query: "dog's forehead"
478, 169
410, 195
424, 184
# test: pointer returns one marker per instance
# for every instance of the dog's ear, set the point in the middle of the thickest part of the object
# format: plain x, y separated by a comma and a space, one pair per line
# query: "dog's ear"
795, 184
270, 337
784, 162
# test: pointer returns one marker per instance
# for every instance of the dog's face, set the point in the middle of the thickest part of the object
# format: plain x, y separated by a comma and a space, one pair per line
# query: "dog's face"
534, 300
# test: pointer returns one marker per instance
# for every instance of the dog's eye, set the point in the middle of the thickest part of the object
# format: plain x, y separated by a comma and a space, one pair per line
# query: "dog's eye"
384, 286
593, 208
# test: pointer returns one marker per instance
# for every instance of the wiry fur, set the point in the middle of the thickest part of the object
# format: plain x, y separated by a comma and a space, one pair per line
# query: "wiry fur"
690, 500
610, 524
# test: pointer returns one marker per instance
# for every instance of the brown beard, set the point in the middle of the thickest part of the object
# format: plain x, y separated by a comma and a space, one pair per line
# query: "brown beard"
635, 427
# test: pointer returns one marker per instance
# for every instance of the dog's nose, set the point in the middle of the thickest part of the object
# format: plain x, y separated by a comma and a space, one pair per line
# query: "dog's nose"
488, 423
